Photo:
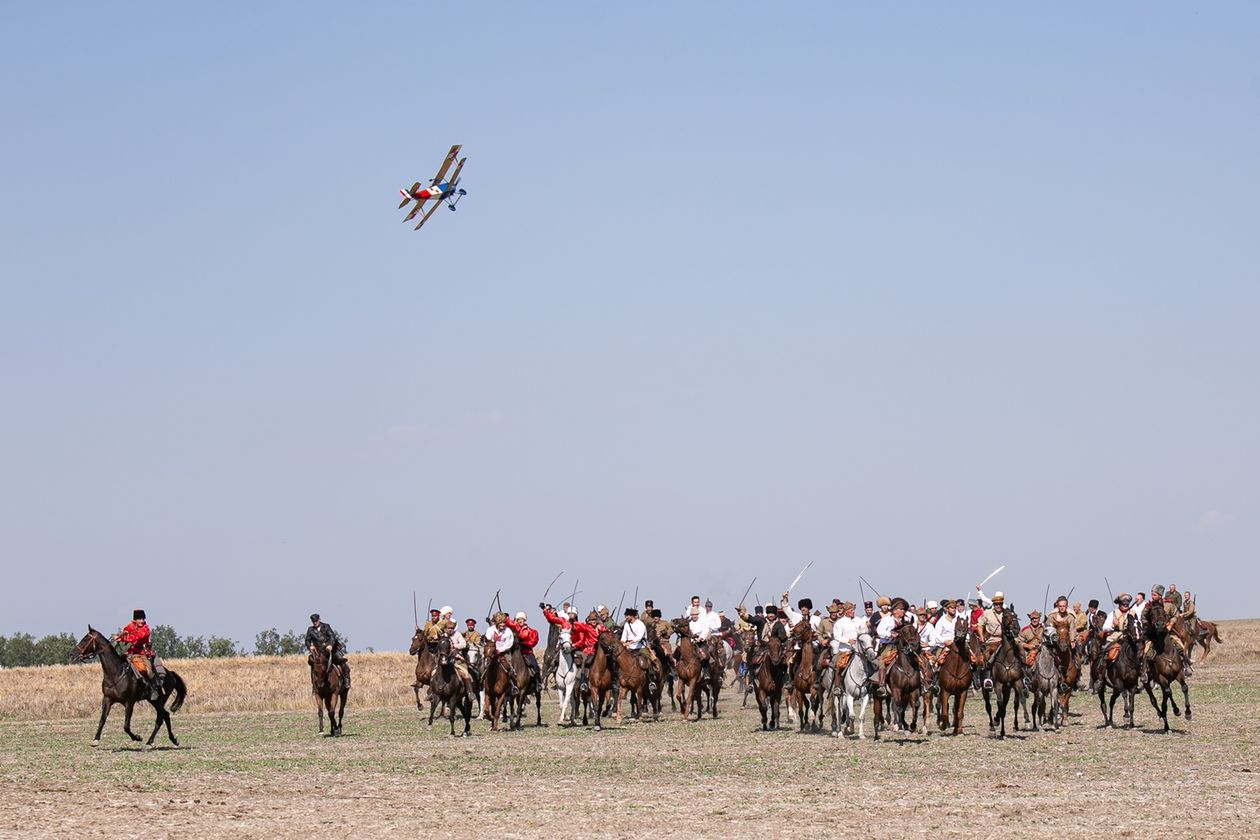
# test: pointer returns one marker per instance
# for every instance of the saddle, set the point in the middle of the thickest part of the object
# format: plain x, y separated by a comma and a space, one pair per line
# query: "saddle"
888, 655
842, 659
142, 666
1113, 652
1030, 659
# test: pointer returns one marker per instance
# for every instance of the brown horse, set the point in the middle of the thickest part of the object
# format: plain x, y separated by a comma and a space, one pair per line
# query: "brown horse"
1094, 649
769, 666
632, 678
1166, 667
329, 683
954, 677
1061, 646
714, 675
1121, 675
496, 683
1005, 671
905, 681
804, 680
688, 669
447, 688
1204, 634
120, 684
599, 681
425, 663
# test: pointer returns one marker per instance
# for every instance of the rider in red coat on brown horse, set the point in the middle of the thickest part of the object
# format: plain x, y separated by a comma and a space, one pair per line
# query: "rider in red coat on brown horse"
139, 645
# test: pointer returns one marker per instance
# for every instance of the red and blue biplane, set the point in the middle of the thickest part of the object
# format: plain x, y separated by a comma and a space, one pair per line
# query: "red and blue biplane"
438, 191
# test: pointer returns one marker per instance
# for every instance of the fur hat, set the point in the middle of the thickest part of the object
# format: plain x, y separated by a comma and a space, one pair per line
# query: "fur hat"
1157, 589
805, 604
883, 601
138, 615
1093, 604
759, 610
1124, 599
868, 605
446, 611
631, 611
656, 613
520, 616
900, 602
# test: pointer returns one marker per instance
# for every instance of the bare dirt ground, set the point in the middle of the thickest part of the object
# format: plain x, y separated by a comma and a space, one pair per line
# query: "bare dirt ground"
269, 774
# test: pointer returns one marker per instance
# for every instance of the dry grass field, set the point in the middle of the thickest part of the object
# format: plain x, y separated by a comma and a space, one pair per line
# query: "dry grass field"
249, 772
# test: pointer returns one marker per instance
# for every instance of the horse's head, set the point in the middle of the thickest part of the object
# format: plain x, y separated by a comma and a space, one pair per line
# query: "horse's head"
682, 627
88, 647
1010, 623
774, 650
803, 631
607, 640
907, 638
417, 642
444, 650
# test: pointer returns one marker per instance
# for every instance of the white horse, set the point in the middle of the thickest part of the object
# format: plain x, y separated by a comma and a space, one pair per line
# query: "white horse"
861, 665
566, 675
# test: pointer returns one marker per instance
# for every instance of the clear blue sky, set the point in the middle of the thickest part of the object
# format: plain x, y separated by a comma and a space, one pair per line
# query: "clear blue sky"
908, 291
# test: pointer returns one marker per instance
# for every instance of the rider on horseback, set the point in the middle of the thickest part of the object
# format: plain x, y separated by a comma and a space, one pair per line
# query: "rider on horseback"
526, 637
1150, 632
990, 627
1029, 641
459, 647
503, 638
321, 636
886, 630
634, 637
136, 636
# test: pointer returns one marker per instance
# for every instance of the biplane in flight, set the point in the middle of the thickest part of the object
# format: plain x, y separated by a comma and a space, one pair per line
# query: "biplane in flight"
438, 191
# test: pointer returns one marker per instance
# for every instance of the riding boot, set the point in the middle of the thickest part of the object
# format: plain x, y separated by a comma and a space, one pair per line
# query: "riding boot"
156, 686
468, 689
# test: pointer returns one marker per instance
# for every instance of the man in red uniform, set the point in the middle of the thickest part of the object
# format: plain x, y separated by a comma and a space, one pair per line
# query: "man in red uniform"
582, 636
136, 637
526, 638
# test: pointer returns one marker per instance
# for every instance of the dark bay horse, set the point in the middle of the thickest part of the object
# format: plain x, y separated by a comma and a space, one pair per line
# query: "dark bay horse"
954, 676
1166, 667
446, 687
599, 681
1005, 671
496, 684
330, 688
714, 676
803, 677
425, 663
632, 679
768, 663
121, 685
1069, 665
1121, 675
688, 670
905, 681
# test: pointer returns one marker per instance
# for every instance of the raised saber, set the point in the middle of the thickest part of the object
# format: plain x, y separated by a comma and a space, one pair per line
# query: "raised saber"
746, 591
798, 577
415, 612
553, 583
1113, 597
868, 583
991, 574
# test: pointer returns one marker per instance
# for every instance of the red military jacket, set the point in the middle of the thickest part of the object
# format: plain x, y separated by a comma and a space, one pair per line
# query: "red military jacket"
581, 635
526, 637
136, 637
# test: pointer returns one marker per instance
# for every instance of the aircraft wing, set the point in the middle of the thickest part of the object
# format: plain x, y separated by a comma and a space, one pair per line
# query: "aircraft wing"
414, 210
446, 164
455, 174
426, 216
412, 191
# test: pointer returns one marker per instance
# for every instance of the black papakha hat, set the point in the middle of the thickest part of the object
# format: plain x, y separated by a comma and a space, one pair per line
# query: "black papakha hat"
759, 610
1093, 603
631, 611
138, 615
805, 604
656, 613
314, 617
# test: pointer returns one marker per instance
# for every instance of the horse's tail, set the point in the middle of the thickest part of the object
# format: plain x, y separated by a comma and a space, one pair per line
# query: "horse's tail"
1216, 634
181, 690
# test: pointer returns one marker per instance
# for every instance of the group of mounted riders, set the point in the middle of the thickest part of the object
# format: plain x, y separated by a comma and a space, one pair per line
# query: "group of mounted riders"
891, 655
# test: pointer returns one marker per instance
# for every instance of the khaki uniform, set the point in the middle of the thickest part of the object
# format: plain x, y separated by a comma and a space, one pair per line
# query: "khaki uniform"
824, 629
1054, 620
472, 637
433, 629
1029, 640
991, 625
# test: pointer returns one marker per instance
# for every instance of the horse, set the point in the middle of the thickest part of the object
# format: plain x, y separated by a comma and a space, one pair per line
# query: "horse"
422, 649
447, 687
1166, 667
121, 684
599, 679
954, 676
769, 673
687, 667
495, 684
1005, 671
803, 679
329, 683
1204, 633
1059, 642
741, 649
551, 656
566, 677
632, 677
854, 684
527, 685
904, 679
712, 680
1094, 649
1121, 675
1045, 681
664, 662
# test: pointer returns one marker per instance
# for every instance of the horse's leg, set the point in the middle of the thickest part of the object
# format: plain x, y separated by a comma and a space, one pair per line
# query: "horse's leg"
432, 711
157, 722
960, 699
106, 704
130, 707
538, 703
987, 694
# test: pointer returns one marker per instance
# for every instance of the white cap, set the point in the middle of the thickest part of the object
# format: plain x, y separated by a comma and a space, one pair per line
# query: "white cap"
445, 611
520, 616
932, 605
998, 596
600, 607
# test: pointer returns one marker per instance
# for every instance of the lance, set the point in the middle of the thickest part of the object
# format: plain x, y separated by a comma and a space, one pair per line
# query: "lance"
1113, 597
868, 583
746, 591
619, 603
1069, 595
635, 603
553, 583
991, 574
798, 577
415, 612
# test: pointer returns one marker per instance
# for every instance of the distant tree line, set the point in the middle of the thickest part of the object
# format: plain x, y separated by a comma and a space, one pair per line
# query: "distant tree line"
23, 649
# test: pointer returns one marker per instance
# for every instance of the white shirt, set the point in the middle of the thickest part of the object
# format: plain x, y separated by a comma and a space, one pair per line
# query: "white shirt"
503, 639
699, 627
887, 626
458, 642
634, 634
926, 633
1114, 622
844, 634
794, 617
944, 634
